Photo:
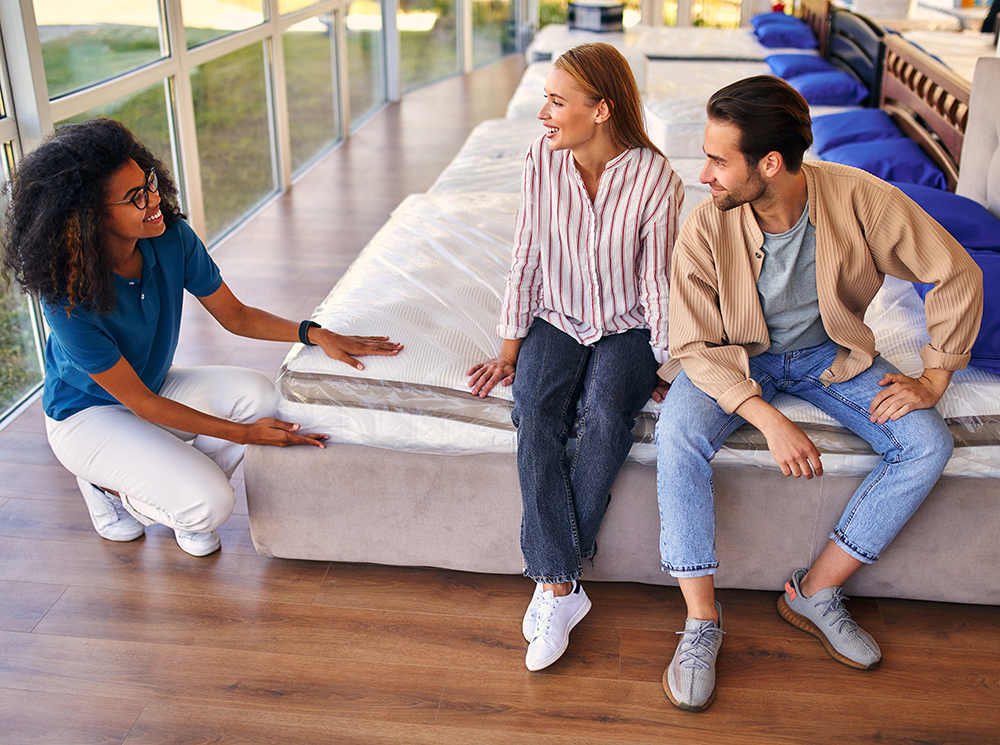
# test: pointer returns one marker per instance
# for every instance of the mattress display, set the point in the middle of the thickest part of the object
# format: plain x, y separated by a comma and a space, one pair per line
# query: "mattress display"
661, 42
960, 51
433, 279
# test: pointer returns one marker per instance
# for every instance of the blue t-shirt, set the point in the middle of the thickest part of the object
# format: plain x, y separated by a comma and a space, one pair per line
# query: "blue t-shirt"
143, 327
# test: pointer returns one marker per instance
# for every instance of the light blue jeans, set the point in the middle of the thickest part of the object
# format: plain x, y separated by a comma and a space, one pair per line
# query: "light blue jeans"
692, 428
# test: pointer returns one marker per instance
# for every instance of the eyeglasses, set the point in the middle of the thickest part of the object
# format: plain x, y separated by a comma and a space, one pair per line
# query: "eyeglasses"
140, 195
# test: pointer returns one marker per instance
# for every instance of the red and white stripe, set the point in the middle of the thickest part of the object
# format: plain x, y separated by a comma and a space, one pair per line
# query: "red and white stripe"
593, 269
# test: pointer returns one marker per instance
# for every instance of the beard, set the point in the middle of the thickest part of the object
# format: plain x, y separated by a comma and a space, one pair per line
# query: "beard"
752, 189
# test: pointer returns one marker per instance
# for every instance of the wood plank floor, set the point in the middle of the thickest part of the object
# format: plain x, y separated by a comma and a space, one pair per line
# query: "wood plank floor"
140, 643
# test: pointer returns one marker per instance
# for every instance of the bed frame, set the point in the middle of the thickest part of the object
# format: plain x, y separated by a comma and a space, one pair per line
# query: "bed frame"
928, 101
856, 46
369, 504
817, 14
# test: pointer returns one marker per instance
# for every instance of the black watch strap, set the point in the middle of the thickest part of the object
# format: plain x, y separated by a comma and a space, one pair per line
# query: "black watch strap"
304, 332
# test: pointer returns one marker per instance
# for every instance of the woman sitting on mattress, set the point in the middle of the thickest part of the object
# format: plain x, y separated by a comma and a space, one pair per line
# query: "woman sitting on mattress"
94, 230
583, 321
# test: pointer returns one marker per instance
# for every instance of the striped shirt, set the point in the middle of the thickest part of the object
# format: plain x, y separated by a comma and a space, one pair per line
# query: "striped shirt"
865, 229
593, 269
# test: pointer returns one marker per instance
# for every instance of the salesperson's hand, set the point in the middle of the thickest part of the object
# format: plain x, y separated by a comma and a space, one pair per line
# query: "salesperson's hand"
269, 431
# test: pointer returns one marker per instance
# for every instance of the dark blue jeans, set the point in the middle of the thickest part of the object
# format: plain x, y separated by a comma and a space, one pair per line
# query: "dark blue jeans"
564, 498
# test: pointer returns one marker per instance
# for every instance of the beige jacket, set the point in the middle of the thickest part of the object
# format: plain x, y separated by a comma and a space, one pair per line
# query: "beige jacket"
865, 229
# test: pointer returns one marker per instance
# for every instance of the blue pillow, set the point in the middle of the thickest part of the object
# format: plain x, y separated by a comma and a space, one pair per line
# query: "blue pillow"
790, 65
835, 88
890, 160
787, 35
986, 349
969, 222
864, 125
765, 19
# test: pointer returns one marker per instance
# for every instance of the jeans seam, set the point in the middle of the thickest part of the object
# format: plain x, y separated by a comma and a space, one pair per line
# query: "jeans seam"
851, 404
567, 480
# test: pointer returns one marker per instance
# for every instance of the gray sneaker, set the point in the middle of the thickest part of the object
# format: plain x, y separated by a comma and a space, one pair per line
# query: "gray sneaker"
824, 616
689, 680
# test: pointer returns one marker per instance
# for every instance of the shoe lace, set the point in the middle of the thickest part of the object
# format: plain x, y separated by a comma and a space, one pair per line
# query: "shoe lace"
841, 616
544, 612
698, 649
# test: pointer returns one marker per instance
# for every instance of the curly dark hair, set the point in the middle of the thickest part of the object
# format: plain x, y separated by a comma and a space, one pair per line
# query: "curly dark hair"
52, 242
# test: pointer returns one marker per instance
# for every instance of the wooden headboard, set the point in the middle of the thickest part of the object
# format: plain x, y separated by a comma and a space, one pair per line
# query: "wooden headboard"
928, 101
817, 14
856, 46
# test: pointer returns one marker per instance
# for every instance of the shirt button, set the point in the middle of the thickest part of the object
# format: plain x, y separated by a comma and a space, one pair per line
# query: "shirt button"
144, 296
758, 254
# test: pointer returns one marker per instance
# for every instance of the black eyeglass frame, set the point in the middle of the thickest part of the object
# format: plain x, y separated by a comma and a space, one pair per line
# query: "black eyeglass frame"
151, 185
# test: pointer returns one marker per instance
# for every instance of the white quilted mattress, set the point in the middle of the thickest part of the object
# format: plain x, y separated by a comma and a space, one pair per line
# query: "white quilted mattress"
433, 278
660, 42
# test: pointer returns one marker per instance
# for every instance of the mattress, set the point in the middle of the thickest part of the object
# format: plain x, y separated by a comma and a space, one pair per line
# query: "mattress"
433, 278
958, 50
492, 159
661, 42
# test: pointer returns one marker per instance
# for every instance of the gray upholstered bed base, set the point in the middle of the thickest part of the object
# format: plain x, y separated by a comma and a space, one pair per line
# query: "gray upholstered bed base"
363, 504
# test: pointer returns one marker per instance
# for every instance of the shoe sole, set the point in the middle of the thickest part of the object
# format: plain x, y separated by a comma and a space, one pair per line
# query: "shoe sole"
678, 704
801, 622
572, 625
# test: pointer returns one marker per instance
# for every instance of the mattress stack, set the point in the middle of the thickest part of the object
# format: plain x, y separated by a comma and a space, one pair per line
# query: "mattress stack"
433, 279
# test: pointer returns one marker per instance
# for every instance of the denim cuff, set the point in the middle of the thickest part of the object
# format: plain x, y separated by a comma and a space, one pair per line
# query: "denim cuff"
851, 549
704, 571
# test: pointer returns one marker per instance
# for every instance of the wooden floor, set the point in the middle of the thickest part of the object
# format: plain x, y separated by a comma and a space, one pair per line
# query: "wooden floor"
103, 642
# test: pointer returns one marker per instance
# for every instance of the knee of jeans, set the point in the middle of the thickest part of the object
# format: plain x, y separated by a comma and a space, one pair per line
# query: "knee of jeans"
932, 445
672, 429
602, 418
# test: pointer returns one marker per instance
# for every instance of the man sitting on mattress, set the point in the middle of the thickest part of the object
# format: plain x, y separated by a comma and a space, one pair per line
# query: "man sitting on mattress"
770, 281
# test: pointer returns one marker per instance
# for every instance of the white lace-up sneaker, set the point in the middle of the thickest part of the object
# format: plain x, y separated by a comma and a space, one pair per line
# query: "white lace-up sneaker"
555, 618
198, 544
689, 680
528, 624
109, 516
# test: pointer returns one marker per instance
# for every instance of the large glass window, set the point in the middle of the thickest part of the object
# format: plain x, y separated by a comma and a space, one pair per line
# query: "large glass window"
310, 78
289, 6
205, 20
20, 370
552, 11
493, 30
147, 114
669, 12
365, 66
234, 136
716, 13
87, 42
428, 41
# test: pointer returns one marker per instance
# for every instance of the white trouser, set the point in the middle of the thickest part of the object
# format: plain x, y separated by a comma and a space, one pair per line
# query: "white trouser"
163, 475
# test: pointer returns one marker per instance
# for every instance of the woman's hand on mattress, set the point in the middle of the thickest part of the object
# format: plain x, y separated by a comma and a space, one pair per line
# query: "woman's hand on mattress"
904, 394
345, 348
485, 375
269, 431
660, 390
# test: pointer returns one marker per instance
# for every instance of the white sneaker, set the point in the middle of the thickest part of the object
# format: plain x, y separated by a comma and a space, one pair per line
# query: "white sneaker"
110, 519
198, 544
555, 618
528, 624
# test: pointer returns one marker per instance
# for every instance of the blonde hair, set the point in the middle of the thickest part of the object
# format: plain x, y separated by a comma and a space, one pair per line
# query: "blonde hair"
603, 74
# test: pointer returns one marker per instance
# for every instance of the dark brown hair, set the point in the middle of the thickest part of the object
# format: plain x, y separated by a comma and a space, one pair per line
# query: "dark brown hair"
770, 115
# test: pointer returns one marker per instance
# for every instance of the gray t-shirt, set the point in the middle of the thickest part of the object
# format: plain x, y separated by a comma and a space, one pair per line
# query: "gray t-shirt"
787, 288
